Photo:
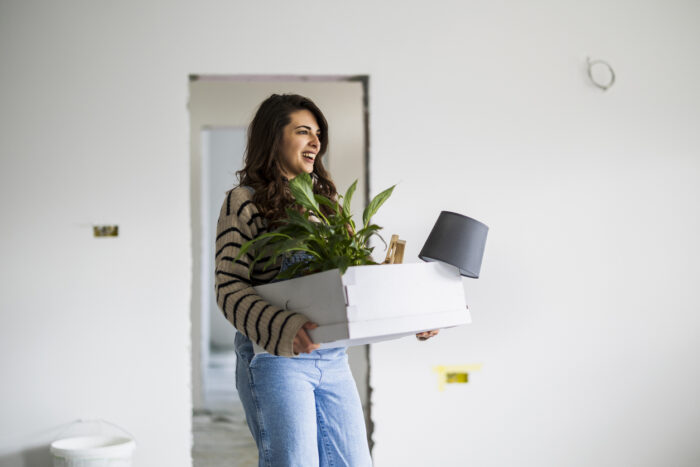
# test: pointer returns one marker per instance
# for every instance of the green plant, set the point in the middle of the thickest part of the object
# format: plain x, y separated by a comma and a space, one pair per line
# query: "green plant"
331, 240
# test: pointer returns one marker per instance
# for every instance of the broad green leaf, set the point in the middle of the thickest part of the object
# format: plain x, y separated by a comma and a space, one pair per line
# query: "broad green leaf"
348, 198
320, 199
375, 204
368, 231
342, 264
302, 189
292, 271
298, 219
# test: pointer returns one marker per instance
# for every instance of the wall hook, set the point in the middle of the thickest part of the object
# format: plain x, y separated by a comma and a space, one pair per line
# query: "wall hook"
603, 86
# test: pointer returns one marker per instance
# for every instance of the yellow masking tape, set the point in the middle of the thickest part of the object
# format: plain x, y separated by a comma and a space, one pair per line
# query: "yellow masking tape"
453, 373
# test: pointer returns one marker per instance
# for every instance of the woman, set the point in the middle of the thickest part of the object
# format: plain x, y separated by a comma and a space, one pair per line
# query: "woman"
304, 410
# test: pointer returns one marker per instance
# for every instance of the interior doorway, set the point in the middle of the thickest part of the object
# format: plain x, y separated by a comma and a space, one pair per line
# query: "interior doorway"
220, 109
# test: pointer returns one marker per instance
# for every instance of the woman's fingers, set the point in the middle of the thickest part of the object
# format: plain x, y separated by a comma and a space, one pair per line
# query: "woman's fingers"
425, 335
302, 342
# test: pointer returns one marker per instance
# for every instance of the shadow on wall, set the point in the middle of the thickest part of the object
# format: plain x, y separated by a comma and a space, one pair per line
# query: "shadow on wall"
38, 456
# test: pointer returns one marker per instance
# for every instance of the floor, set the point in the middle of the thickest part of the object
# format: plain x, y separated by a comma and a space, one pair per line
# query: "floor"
221, 436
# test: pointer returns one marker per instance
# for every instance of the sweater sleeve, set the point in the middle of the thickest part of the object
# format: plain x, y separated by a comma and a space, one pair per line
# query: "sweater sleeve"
269, 326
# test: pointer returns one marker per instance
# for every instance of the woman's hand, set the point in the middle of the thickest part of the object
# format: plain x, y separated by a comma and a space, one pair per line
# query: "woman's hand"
302, 341
424, 336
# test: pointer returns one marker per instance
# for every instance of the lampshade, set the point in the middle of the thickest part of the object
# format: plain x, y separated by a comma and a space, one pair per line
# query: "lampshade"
456, 240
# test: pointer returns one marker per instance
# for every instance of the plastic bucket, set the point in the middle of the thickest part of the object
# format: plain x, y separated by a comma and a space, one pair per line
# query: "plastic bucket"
93, 451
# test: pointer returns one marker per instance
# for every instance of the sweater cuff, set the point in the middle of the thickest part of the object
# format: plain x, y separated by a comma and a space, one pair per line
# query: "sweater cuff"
286, 348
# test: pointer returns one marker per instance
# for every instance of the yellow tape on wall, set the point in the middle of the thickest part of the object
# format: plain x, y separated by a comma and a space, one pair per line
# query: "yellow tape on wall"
448, 374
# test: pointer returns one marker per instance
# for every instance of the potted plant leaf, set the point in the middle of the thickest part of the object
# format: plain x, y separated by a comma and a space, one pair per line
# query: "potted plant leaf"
330, 241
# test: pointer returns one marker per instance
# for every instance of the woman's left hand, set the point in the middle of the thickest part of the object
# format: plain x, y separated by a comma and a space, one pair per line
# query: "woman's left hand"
424, 336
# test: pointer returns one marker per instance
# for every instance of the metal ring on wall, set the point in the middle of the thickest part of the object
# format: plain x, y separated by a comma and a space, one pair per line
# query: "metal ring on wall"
602, 86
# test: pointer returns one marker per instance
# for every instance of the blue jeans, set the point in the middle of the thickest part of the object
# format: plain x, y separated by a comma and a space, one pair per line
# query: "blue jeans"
302, 411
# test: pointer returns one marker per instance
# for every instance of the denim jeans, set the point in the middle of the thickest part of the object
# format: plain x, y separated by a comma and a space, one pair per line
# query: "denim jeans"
302, 411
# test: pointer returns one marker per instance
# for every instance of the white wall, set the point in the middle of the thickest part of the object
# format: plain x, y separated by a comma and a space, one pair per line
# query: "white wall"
585, 318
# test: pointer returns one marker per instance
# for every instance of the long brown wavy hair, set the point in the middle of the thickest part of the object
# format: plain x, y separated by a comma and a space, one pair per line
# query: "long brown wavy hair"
263, 164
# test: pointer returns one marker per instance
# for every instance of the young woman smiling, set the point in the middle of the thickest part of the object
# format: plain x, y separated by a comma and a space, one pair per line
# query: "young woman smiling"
300, 401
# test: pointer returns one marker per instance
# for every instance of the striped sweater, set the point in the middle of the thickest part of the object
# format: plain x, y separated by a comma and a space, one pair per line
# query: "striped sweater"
269, 326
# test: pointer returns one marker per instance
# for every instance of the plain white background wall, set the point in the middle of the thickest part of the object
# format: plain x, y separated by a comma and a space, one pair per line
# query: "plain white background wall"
585, 317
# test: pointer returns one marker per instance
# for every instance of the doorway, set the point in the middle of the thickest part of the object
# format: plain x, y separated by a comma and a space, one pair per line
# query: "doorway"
220, 109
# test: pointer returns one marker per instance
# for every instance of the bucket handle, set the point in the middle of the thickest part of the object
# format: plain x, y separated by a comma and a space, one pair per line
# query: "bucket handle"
87, 421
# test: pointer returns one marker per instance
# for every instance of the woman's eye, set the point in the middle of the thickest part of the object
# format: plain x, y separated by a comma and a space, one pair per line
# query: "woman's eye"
306, 132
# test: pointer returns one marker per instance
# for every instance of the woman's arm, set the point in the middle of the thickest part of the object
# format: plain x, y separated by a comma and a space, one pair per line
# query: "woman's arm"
278, 331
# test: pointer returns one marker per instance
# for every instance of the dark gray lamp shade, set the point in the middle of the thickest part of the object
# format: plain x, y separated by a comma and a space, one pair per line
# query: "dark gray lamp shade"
457, 240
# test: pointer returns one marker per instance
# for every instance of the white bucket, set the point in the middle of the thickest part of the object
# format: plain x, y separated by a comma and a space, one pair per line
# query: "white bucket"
93, 451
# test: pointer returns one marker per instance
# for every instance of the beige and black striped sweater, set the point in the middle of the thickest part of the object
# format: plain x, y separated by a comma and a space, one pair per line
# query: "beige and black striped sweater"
269, 326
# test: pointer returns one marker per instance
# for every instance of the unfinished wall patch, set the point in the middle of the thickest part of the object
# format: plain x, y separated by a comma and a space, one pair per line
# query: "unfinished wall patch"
105, 230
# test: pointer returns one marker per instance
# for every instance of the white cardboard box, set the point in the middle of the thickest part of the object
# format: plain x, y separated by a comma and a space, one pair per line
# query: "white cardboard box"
373, 303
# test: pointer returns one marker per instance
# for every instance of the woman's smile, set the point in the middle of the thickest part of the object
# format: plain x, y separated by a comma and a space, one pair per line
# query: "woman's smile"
309, 157
300, 144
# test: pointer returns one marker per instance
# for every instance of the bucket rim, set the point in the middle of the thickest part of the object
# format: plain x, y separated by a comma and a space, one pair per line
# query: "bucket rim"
95, 446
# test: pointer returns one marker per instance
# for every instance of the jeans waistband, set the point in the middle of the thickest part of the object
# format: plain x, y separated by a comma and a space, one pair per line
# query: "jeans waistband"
245, 346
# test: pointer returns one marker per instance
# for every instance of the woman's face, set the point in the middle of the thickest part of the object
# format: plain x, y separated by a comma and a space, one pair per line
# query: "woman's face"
300, 144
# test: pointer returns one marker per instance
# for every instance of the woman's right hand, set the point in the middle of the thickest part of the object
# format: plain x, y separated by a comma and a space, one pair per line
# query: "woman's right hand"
302, 341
